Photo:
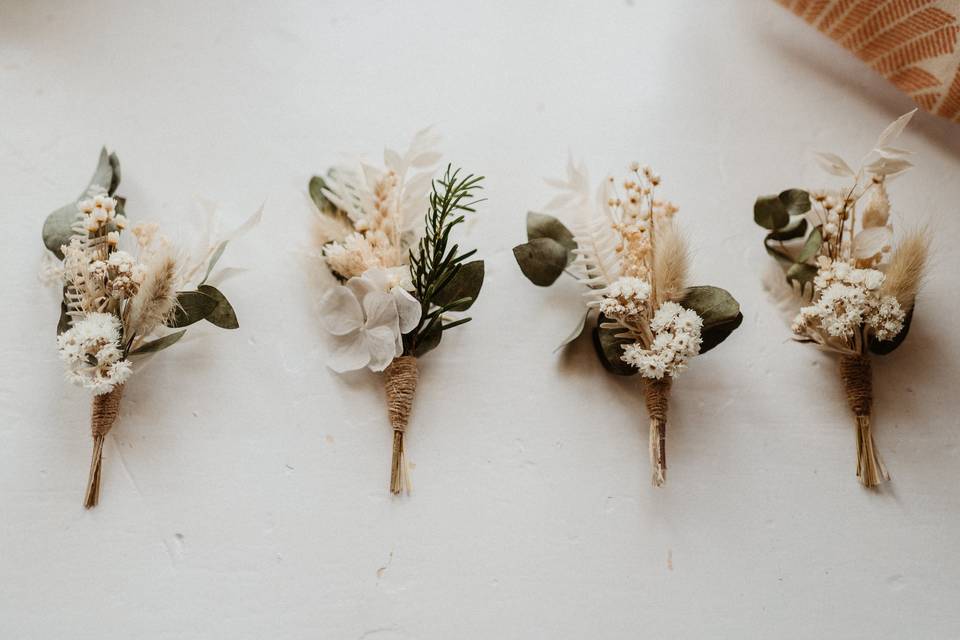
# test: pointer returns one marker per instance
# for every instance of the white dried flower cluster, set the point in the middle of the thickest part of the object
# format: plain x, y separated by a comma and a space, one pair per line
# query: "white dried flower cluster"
846, 298
625, 298
676, 339
99, 210
121, 274
92, 353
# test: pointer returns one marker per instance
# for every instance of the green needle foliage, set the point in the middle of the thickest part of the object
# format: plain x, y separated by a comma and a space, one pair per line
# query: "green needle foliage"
443, 282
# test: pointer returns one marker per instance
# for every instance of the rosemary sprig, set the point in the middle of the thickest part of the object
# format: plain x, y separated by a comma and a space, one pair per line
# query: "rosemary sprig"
436, 263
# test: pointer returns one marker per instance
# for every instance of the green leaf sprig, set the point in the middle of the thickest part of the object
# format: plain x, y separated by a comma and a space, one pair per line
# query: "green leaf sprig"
443, 281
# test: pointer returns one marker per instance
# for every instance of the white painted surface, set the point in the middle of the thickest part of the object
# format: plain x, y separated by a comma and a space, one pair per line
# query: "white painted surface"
244, 492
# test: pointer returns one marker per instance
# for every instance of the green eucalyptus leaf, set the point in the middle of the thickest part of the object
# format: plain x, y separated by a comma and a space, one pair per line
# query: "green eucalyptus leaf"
192, 306
774, 212
812, 246
777, 253
428, 340
159, 344
796, 201
222, 315
466, 283
720, 312
770, 213
317, 185
542, 260
577, 331
803, 274
114, 174
609, 349
58, 227
797, 228
883, 347
64, 323
540, 225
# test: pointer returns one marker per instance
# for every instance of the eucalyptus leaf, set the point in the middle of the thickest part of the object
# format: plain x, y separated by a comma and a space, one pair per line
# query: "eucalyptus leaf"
775, 212
65, 321
317, 185
192, 306
796, 201
577, 331
465, 284
769, 213
114, 174
541, 225
609, 349
883, 347
542, 260
222, 315
719, 310
777, 253
159, 344
428, 340
58, 227
796, 228
812, 246
803, 274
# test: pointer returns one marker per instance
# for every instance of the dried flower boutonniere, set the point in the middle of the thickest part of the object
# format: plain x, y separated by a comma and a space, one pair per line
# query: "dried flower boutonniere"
854, 292
627, 250
117, 307
398, 283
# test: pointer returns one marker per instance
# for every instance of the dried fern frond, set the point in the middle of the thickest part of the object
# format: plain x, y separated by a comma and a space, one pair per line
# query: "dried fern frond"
670, 262
596, 256
156, 298
905, 271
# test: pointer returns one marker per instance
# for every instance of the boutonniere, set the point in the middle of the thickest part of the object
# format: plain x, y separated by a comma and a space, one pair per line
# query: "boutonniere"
122, 301
854, 290
386, 236
625, 247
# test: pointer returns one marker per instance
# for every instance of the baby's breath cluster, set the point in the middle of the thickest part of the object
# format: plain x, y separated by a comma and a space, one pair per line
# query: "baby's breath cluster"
92, 353
676, 339
665, 338
846, 298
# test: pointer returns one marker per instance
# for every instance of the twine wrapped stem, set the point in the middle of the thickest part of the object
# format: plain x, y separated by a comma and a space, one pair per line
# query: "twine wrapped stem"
401, 384
657, 393
858, 383
103, 414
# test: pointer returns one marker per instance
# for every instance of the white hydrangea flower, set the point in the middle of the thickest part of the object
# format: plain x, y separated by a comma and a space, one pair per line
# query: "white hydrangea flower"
91, 351
676, 340
368, 317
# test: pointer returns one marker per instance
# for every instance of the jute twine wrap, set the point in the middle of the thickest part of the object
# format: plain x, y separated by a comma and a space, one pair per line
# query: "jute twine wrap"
103, 414
657, 394
401, 384
858, 383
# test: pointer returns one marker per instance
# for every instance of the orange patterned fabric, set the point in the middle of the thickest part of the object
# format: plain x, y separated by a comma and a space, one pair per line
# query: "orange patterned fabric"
915, 44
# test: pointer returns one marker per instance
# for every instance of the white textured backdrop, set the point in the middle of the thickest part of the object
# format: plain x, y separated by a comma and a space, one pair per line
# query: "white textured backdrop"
245, 486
